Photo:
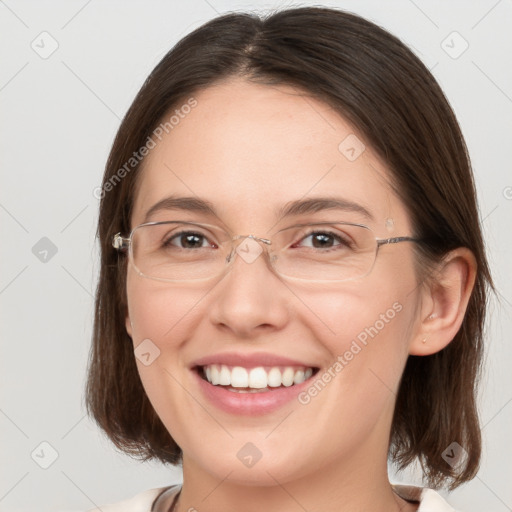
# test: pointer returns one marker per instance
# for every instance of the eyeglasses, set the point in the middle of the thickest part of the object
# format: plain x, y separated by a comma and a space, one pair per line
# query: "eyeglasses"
188, 251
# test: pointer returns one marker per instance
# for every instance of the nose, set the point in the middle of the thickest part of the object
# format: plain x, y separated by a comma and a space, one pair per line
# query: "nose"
250, 298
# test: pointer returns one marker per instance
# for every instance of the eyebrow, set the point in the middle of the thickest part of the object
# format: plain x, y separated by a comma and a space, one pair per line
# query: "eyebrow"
293, 208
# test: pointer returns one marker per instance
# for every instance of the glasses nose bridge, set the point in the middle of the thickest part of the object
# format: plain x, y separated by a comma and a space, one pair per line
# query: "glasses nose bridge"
264, 242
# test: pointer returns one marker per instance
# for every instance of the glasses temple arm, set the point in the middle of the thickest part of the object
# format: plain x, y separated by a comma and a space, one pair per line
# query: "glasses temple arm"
396, 240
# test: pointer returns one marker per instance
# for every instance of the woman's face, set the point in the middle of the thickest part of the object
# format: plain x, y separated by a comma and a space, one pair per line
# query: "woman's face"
250, 150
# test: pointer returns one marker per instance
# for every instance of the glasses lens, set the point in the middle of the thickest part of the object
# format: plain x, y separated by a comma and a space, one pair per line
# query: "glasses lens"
184, 251
175, 251
325, 252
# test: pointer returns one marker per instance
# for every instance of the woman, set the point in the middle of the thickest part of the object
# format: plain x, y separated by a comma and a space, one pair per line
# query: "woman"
293, 281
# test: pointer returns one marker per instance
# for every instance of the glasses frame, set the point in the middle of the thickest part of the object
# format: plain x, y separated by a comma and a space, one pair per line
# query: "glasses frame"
125, 244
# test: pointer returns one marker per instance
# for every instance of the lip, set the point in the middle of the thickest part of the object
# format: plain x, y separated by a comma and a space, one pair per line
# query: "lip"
249, 404
249, 360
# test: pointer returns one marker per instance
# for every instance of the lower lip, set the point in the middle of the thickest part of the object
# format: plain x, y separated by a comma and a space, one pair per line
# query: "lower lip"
249, 404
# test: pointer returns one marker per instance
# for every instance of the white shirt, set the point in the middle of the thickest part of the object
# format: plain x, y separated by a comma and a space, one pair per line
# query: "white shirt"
160, 500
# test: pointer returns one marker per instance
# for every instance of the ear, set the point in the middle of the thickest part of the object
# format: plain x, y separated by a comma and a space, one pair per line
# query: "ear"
128, 325
444, 301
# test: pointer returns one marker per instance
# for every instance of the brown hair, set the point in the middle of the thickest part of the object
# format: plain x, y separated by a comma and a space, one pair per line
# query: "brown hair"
375, 82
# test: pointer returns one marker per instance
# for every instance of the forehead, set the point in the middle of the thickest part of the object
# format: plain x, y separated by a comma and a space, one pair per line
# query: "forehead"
250, 149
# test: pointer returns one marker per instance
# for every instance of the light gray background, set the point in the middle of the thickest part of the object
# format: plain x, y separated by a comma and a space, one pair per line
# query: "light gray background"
59, 117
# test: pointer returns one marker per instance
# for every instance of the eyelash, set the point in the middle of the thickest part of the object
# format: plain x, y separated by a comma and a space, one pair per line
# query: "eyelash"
178, 235
337, 237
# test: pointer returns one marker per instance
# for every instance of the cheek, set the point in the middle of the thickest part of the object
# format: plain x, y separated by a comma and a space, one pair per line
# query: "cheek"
339, 315
366, 330
163, 318
159, 310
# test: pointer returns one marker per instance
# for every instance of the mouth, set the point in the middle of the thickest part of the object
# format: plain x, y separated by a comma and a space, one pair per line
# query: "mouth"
259, 379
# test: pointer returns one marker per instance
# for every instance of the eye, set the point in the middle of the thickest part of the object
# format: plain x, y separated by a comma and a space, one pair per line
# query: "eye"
323, 240
188, 240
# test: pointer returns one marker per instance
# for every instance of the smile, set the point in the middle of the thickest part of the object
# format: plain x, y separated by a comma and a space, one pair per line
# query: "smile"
254, 380
251, 384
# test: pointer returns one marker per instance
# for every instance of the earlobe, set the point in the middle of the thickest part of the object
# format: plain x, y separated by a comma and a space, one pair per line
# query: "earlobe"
444, 305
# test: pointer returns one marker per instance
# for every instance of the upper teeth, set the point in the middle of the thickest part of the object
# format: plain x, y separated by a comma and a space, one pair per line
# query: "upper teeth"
258, 378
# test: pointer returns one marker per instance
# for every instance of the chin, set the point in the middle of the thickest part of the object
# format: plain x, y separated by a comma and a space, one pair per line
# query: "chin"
269, 469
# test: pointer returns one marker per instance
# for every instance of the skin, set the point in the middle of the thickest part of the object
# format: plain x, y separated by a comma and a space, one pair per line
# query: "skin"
249, 149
